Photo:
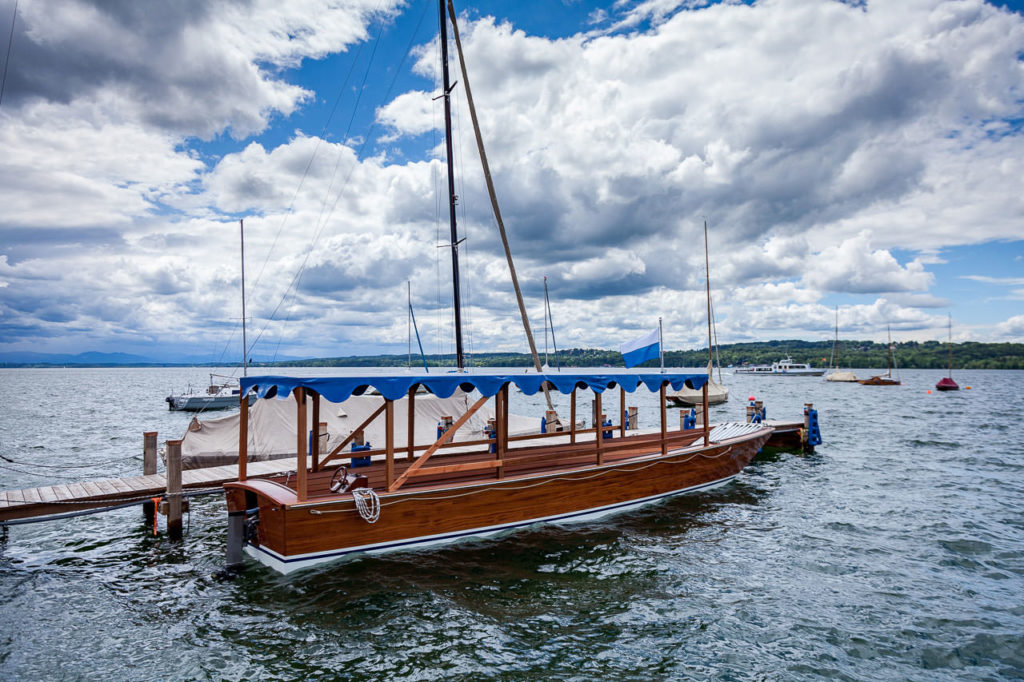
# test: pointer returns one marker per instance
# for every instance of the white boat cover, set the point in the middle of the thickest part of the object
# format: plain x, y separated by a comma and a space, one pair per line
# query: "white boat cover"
841, 376
214, 442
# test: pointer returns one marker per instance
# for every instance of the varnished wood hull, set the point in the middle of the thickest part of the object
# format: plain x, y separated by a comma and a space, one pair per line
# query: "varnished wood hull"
293, 535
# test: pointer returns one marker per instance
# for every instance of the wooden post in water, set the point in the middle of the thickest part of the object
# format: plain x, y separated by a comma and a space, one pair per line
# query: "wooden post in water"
174, 489
148, 468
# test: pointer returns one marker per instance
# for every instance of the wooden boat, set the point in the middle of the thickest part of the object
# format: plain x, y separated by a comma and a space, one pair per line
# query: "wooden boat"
886, 379
946, 383
717, 393
407, 496
834, 373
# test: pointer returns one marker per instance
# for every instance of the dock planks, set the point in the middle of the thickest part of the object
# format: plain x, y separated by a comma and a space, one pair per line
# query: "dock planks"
108, 492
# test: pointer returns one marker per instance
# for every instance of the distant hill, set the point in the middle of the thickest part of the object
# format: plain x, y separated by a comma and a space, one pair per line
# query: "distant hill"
859, 354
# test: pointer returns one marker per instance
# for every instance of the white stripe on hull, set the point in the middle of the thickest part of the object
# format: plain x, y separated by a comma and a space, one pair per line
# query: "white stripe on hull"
290, 564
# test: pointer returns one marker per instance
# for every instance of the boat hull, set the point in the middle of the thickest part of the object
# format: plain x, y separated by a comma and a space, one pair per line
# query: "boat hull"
293, 535
947, 384
879, 381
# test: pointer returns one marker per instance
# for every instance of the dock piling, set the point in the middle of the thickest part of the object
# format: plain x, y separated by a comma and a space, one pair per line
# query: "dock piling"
148, 468
174, 489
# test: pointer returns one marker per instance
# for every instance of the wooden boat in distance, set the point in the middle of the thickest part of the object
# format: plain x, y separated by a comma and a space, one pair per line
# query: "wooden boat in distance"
946, 383
406, 495
886, 379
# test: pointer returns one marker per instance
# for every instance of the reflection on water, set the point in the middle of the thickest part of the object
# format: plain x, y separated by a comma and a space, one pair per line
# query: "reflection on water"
892, 552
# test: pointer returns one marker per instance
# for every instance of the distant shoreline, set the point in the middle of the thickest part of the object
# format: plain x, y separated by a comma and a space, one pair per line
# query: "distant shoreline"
909, 355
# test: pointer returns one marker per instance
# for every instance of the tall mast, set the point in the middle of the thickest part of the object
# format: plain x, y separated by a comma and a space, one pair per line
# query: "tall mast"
245, 345
452, 198
950, 345
707, 280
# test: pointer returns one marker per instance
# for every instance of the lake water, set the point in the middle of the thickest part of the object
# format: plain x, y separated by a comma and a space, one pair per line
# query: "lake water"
896, 551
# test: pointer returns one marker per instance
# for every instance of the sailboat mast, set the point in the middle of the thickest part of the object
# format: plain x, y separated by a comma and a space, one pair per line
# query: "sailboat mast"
950, 344
707, 280
460, 360
245, 345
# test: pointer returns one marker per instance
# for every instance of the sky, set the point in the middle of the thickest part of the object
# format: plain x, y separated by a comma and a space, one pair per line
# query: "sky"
865, 157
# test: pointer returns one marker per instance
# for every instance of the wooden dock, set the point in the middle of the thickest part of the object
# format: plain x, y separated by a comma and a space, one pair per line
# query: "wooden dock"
111, 492
53, 500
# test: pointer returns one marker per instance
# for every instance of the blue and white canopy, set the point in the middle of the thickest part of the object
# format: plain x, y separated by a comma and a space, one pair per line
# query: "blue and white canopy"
393, 387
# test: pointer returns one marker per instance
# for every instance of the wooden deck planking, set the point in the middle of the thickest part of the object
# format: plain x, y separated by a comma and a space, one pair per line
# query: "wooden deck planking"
47, 494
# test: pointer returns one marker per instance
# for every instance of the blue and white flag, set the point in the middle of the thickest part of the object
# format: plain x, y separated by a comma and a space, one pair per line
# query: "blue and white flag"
645, 348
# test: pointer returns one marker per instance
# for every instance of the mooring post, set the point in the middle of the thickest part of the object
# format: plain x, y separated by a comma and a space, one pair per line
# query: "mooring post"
148, 468
174, 489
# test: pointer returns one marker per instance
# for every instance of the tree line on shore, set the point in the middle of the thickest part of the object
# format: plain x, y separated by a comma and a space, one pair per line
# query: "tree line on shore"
856, 354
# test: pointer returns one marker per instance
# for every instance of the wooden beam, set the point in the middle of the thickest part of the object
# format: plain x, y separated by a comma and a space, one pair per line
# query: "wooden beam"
445, 437
457, 468
664, 418
599, 423
301, 483
389, 437
572, 417
410, 450
622, 410
243, 436
704, 406
314, 450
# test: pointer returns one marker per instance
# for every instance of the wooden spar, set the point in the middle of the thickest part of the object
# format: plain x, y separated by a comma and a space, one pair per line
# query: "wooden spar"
301, 482
450, 162
494, 201
707, 284
148, 469
351, 436
314, 450
243, 435
445, 437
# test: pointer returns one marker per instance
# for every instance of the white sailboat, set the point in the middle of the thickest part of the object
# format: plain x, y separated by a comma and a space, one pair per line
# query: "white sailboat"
834, 373
717, 392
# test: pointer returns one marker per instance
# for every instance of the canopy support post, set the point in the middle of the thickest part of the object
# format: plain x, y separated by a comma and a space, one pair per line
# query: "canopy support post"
301, 483
664, 419
599, 424
243, 435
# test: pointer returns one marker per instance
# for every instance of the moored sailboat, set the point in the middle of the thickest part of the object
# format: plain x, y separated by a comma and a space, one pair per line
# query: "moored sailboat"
947, 383
834, 373
886, 379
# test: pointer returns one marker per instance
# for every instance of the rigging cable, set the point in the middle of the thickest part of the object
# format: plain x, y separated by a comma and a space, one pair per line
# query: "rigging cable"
292, 290
7, 60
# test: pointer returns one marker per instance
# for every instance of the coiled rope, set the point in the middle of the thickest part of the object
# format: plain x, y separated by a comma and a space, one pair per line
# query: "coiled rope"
367, 504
